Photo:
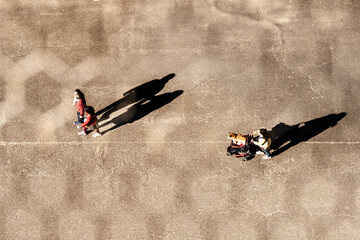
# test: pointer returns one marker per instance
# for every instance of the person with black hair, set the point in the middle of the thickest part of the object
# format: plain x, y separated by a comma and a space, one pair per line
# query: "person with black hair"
91, 121
80, 104
263, 141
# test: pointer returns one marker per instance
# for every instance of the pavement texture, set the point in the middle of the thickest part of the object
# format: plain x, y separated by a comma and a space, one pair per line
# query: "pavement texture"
169, 80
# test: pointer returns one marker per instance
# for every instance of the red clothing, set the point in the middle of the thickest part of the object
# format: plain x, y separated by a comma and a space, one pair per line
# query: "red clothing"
79, 105
90, 120
239, 143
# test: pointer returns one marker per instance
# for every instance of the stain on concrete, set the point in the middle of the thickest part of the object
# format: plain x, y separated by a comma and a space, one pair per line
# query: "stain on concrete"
69, 10
183, 197
74, 194
127, 12
322, 160
24, 14
354, 14
156, 226
269, 62
31, 19
10, 131
155, 38
213, 35
102, 228
181, 14
346, 196
3, 231
21, 184
129, 188
238, 188
241, 8
104, 161
42, 92
98, 39
305, 7
128, 6
262, 228
43, 36
4, 159
325, 58
2, 89
294, 186
316, 227
50, 224
210, 228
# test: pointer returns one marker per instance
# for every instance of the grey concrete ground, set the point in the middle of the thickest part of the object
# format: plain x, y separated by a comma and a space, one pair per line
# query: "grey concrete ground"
160, 170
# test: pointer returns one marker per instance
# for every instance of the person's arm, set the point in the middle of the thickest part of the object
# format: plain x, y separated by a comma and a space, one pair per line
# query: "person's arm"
88, 118
267, 143
261, 143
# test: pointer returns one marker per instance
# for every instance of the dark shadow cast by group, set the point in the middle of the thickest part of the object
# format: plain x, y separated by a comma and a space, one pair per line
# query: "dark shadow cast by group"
146, 101
141, 109
292, 135
145, 91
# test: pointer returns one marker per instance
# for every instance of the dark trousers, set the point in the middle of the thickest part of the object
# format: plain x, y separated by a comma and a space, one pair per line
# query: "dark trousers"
80, 120
266, 151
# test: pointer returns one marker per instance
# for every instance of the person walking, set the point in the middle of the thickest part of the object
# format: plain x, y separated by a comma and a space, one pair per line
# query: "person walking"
80, 104
263, 141
91, 121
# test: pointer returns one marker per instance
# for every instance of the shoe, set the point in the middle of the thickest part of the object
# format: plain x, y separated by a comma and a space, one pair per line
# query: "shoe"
78, 126
259, 152
97, 135
77, 122
82, 133
266, 157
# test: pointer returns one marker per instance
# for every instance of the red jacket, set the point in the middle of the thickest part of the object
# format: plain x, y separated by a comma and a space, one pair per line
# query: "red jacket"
79, 105
90, 120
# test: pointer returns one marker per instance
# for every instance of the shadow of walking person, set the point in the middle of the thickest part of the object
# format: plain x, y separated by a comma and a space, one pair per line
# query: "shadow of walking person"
145, 91
141, 109
301, 132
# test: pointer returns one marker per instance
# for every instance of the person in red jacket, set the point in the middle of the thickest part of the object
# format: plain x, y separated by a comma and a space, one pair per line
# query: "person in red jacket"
91, 121
80, 104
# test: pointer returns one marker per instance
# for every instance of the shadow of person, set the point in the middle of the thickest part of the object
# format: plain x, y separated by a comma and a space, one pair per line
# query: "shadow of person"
144, 91
141, 109
291, 135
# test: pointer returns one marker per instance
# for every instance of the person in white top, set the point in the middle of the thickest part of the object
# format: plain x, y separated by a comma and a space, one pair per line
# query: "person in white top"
263, 141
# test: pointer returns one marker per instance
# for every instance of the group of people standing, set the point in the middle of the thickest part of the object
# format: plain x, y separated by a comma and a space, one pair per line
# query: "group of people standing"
245, 145
86, 116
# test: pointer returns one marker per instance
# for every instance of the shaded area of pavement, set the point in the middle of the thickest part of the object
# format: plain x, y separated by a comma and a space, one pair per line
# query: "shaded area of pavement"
301, 132
141, 109
145, 91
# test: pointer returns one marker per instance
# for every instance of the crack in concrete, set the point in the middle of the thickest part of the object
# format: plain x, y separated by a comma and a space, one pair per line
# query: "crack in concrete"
333, 215
317, 92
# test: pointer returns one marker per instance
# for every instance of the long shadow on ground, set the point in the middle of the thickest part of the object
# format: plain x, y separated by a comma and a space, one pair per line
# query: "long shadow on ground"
141, 109
301, 132
145, 91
